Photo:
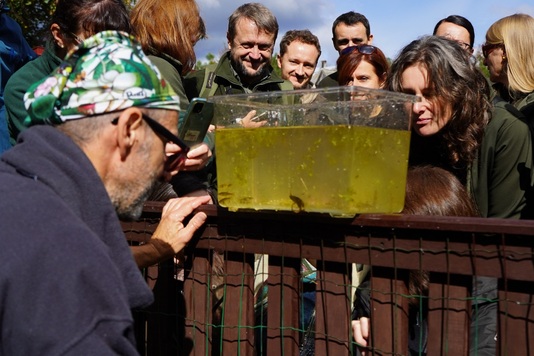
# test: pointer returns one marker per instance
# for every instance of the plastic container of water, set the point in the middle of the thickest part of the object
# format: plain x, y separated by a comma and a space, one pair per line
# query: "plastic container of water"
341, 151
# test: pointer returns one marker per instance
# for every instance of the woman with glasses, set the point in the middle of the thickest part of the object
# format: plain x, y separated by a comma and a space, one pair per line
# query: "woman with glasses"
71, 23
509, 56
362, 65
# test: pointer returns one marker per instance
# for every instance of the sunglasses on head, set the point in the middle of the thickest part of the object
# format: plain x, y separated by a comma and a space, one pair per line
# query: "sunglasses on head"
488, 47
172, 162
363, 49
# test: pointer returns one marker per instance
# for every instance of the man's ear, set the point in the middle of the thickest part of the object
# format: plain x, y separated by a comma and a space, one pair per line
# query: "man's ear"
279, 60
370, 40
229, 41
335, 44
129, 125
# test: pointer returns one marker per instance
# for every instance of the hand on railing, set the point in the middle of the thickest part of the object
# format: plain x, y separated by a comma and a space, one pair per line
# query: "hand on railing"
172, 235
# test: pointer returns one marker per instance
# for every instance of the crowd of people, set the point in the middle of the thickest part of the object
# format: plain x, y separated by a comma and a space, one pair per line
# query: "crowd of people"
93, 125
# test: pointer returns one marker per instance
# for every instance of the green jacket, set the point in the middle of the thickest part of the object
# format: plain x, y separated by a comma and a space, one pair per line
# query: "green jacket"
228, 82
528, 100
501, 176
328, 81
171, 69
19, 82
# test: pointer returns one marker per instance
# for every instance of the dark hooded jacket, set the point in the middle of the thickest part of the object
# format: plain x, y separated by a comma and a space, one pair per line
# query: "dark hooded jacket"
68, 278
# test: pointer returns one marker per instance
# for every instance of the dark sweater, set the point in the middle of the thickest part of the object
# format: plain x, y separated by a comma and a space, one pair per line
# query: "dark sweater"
68, 280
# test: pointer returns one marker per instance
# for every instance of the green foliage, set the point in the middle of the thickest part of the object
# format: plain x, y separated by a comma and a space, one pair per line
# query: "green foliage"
34, 17
211, 59
274, 63
481, 66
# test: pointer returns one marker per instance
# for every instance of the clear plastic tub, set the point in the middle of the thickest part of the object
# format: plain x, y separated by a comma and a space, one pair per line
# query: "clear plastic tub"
339, 150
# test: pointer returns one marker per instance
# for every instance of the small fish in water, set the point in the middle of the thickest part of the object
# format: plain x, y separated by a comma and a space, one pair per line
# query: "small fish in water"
298, 202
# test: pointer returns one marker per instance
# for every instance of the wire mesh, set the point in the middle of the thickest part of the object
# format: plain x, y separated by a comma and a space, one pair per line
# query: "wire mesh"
300, 310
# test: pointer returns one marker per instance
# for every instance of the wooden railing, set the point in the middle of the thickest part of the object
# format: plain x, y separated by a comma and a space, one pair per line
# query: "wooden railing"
217, 309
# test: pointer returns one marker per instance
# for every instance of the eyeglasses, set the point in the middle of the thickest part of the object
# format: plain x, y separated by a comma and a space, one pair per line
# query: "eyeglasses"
174, 160
488, 47
363, 49
464, 45
77, 39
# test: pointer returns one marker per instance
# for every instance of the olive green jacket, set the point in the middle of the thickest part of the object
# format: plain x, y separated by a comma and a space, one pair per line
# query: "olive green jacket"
227, 81
170, 69
501, 177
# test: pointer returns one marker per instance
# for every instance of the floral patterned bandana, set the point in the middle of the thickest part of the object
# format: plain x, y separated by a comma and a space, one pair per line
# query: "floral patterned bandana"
106, 72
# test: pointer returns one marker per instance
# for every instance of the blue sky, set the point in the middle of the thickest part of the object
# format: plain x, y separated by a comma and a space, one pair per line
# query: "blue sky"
393, 23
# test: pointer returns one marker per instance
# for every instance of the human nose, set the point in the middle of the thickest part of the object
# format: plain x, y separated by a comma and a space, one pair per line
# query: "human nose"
419, 106
300, 70
255, 53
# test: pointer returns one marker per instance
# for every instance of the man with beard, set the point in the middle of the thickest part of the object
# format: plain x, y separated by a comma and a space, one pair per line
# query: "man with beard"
103, 133
246, 67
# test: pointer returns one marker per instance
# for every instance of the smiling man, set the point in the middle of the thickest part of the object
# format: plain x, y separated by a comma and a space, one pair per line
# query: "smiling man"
299, 53
246, 66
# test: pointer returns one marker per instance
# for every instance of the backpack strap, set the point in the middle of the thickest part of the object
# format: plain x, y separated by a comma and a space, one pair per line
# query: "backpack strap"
209, 86
526, 114
528, 111
286, 85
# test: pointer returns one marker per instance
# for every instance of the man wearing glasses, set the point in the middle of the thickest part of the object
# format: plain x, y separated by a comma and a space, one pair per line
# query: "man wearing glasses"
457, 28
349, 29
103, 132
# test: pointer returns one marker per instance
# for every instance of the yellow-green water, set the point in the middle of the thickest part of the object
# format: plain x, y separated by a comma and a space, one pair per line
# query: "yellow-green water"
334, 169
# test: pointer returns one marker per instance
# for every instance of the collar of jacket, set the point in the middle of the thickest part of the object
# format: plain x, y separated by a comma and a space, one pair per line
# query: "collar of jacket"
226, 73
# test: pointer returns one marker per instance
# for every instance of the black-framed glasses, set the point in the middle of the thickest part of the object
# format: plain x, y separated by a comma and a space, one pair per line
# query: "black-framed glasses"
464, 45
76, 39
363, 49
174, 160
488, 47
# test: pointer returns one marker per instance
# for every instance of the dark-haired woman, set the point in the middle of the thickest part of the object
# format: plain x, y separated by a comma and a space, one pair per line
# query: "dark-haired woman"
71, 23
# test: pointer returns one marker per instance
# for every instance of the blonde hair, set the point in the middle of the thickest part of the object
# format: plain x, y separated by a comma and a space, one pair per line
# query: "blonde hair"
516, 32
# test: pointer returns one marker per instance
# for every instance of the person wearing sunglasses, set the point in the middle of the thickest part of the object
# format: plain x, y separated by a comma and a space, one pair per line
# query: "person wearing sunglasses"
102, 131
509, 55
364, 66
458, 29
348, 30
71, 22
